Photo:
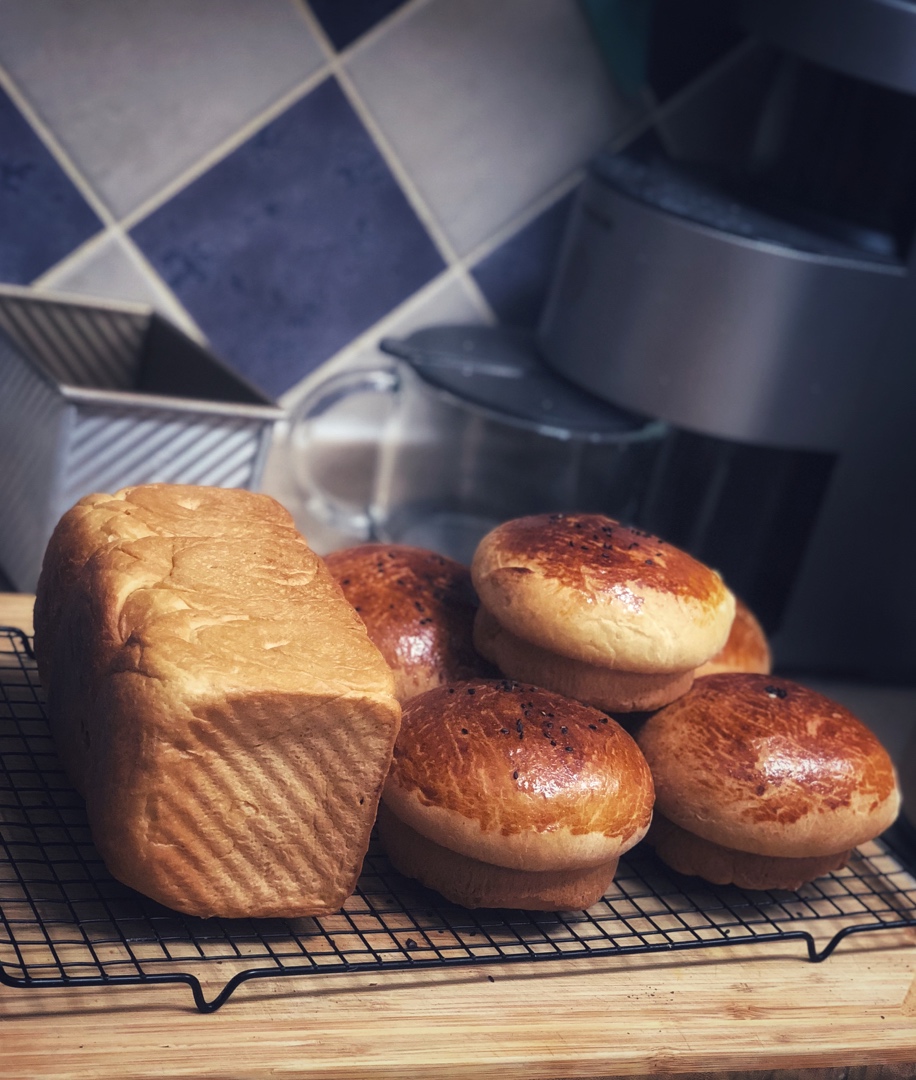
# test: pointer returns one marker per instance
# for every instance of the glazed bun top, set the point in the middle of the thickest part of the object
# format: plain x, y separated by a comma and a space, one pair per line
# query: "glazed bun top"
763, 765
747, 648
587, 587
418, 608
519, 777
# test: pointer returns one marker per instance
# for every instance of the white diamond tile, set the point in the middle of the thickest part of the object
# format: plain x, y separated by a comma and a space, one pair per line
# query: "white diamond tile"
137, 92
488, 105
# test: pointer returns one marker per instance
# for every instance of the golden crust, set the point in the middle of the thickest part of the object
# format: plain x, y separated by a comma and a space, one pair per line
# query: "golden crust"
476, 884
747, 648
603, 687
763, 765
216, 699
517, 776
587, 587
419, 610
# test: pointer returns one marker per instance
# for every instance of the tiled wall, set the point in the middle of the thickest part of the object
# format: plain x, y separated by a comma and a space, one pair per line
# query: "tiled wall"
289, 181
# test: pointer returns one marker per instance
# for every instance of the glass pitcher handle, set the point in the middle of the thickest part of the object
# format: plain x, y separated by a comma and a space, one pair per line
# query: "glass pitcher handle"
322, 399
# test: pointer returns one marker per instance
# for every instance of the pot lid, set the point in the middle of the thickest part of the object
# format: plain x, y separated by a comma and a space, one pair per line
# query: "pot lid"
501, 370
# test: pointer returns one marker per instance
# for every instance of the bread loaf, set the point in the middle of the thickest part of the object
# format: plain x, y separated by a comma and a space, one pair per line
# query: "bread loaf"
215, 699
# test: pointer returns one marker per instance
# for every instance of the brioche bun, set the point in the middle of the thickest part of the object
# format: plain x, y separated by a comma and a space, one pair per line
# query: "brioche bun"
515, 777
588, 588
746, 649
603, 687
418, 608
763, 766
475, 884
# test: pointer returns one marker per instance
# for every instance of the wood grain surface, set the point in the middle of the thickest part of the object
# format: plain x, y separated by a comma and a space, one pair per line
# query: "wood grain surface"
744, 1011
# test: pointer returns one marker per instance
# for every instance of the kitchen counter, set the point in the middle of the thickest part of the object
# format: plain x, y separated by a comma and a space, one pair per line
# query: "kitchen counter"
722, 1012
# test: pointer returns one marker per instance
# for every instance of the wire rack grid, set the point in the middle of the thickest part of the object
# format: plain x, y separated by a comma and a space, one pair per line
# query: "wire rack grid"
64, 921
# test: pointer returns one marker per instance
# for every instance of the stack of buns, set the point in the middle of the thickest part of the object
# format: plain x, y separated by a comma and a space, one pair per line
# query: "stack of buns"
419, 610
503, 794
763, 783
597, 610
215, 699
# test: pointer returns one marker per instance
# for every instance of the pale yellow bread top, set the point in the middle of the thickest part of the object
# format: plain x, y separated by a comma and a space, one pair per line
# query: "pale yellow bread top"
518, 776
134, 513
763, 765
587, 587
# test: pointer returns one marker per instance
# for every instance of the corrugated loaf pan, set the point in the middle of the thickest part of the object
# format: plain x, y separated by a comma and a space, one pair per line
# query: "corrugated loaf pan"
96, 396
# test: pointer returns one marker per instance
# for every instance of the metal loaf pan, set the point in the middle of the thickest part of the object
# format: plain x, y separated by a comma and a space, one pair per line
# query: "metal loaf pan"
98, 396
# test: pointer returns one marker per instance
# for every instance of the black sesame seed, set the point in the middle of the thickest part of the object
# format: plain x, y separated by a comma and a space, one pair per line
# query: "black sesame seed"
773, 691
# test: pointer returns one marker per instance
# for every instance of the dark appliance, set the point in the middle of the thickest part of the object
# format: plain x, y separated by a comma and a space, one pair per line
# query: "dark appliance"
746, 271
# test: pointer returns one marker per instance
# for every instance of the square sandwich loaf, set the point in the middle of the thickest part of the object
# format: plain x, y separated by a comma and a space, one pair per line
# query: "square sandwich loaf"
215, 699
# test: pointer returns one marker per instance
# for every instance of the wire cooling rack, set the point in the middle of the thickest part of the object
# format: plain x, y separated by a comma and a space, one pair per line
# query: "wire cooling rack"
64, 921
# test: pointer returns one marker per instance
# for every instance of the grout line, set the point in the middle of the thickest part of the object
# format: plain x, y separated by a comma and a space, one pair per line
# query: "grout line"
263, 118
524, 217
411, 192
372, 334
46, 279
111, 228
368, 39
55, 148
226, 147
405, 11
171, 304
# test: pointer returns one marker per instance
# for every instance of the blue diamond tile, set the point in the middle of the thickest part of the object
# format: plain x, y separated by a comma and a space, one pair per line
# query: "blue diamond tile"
292, 245
42, 215
516, 276
344, 23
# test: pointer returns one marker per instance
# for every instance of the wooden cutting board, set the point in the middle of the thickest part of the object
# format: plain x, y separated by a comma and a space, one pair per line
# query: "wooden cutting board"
746, 1010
